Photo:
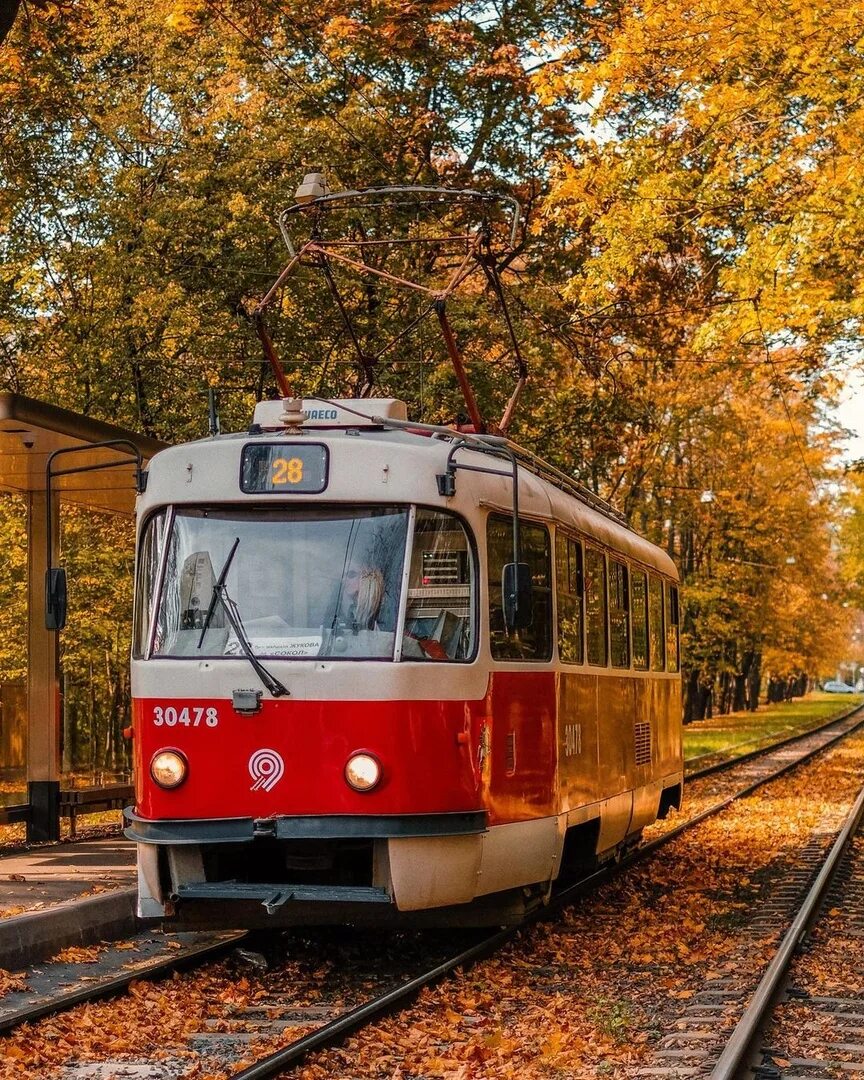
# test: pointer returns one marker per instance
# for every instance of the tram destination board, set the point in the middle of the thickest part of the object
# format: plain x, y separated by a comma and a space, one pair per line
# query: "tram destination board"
284, 468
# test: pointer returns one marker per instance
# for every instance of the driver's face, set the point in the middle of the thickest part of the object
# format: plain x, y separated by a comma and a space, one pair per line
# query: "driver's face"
352, 582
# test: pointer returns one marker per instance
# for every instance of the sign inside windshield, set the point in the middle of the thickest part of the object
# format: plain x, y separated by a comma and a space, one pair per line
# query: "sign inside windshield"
283, 468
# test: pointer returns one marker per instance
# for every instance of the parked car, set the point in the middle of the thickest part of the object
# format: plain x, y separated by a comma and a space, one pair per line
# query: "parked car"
837, 687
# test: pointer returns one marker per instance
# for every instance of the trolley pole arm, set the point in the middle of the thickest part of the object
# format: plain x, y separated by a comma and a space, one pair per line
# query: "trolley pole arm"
490, 269
459, 366
263, 331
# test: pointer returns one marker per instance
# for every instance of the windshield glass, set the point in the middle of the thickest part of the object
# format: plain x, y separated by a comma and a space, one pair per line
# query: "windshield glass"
306, 582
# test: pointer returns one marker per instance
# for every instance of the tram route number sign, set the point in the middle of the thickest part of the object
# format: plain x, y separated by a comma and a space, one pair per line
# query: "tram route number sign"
284, 468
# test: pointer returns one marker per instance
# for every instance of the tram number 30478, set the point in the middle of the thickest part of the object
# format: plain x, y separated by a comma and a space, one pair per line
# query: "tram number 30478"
168, 716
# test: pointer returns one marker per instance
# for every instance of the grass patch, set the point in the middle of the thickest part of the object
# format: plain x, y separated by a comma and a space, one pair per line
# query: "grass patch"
726, 736
616, 1019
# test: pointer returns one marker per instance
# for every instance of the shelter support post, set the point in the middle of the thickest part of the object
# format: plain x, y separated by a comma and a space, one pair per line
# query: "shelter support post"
43, 686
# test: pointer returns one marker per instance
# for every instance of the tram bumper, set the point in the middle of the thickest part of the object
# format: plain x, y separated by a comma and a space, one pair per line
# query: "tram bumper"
303, 870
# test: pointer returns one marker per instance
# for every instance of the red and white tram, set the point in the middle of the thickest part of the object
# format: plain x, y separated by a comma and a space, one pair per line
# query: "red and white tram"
365, 692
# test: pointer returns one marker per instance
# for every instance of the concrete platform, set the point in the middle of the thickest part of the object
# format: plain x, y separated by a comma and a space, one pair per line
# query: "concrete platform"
65, 894
58, 872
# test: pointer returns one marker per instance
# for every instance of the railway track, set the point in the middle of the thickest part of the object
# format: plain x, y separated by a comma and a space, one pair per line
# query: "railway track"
840, 880
804, 1018
57, 985
830, 726
817, 1030
252, 1029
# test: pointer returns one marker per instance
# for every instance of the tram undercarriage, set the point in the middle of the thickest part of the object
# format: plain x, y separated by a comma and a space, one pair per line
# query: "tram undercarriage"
483, 877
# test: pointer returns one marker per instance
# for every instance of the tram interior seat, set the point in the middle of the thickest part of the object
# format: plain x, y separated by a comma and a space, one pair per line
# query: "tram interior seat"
436, 633
444, 627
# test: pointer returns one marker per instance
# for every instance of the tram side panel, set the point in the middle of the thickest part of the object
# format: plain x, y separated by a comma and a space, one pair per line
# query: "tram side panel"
522, 781
663, 705
578, 745
518, 748
619, 747
656, 747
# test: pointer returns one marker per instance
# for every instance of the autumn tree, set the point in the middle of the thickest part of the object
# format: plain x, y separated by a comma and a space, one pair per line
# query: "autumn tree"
685, 277
853, 535
154, 147
97, 550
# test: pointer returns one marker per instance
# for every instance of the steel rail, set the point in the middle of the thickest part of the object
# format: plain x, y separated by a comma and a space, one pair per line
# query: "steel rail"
741, 1041
332, 1033
115, 984
729, 763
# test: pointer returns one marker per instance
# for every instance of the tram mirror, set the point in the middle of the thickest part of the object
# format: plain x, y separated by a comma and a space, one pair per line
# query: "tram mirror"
516, 593
55, 599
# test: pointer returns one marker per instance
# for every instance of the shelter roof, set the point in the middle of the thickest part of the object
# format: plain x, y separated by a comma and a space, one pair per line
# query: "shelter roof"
31, 430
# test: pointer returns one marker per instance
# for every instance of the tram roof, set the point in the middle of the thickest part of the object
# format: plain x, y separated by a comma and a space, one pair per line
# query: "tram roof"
539, 496
31, 430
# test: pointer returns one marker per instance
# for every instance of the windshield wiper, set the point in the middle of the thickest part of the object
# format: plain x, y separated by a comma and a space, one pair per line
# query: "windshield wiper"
270, 681
220, 595
217, 590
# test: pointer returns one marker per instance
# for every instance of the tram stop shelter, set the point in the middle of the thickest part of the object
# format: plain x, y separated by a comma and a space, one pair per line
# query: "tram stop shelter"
94, 465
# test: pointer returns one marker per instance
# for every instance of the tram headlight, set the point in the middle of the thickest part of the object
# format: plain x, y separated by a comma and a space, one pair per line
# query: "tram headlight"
168, 768
362, 772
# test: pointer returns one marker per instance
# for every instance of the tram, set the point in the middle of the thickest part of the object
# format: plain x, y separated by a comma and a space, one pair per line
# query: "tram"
388, 673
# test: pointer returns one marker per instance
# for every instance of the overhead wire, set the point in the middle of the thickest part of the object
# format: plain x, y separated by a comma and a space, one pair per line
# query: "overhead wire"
345, 72
297, 84
562, 332
384, 120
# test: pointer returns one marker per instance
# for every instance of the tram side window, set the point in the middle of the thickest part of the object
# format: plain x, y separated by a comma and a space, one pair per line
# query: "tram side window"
639, 619
657, 640
671, 628
619, 615
438, 615
535, 641
568, 559
595, 605
149, 558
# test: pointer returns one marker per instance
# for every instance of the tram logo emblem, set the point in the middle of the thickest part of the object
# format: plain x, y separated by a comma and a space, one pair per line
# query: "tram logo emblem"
266, 768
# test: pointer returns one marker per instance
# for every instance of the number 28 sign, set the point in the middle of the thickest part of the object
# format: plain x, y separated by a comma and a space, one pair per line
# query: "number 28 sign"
283, 468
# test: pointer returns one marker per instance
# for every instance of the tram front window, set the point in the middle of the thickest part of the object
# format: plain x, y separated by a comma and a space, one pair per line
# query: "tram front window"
306, 583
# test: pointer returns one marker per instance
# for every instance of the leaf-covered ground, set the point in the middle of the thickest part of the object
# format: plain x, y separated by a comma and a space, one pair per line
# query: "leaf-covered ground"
830, 966
588, 994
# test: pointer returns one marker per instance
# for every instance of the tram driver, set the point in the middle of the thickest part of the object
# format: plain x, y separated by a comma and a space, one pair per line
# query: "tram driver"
363, 588
363, 592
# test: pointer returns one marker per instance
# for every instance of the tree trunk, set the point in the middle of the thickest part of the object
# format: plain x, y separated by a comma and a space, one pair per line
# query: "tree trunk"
8, 11
698, 697
691, 688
